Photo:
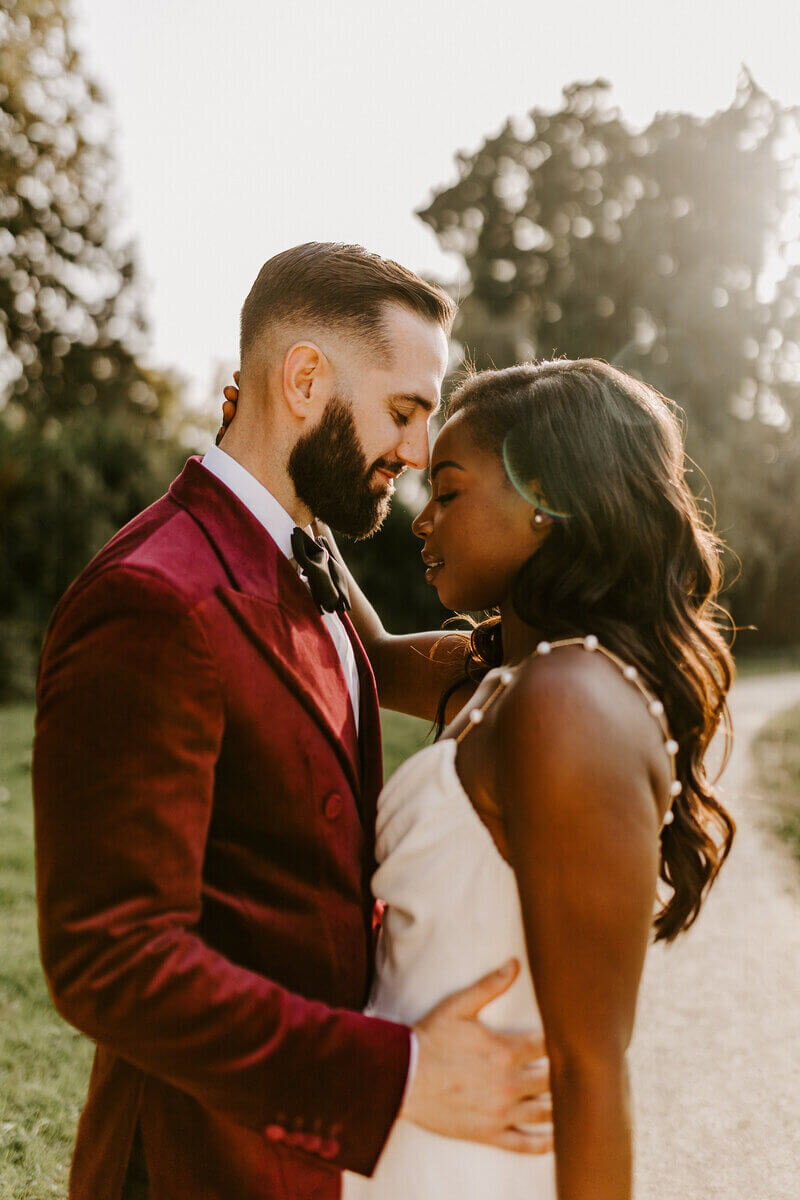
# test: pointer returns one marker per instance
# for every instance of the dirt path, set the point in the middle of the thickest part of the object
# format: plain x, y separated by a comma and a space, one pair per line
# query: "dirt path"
716, 1055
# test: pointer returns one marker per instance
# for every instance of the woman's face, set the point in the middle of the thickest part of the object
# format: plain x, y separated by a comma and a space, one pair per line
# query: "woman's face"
476, 527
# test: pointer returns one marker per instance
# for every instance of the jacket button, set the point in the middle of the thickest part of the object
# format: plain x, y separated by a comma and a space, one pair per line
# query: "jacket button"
313, 1143
333, 806
329, 1148
275, 1133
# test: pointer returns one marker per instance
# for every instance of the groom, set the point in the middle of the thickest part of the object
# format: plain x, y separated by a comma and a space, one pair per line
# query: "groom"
206, 768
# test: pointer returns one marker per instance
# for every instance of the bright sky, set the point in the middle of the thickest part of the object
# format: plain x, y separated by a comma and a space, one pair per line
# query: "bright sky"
246, 126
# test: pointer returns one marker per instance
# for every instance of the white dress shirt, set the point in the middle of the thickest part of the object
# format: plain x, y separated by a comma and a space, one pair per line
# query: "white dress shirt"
279, 525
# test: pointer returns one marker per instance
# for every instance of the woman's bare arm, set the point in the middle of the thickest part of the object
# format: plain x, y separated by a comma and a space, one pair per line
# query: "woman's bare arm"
411, 670
582, 831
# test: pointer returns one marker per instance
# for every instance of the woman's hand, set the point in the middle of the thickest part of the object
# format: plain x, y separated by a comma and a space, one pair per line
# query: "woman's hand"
231, 394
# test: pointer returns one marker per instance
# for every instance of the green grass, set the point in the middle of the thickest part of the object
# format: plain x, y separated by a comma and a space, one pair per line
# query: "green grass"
776, 751
44, 1064
768, 662
402, 737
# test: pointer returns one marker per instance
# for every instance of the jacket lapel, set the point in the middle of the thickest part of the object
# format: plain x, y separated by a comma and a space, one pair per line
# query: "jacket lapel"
274, 608
303, 655
369, 729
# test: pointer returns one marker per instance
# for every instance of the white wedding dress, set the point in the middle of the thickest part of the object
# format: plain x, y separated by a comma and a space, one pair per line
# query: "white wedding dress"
453, 914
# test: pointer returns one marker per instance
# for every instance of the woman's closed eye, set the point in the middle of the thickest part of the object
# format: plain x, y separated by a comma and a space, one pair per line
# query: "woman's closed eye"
445, 498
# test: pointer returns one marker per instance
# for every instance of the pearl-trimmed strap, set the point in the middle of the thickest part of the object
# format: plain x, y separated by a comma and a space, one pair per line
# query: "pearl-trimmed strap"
592, 645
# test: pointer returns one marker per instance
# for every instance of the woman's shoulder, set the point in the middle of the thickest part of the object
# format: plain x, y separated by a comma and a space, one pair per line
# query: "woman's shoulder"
578, 756
576, 681
574, 708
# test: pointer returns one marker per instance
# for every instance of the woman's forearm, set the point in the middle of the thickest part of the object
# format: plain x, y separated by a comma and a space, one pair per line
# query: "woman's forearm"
592, 1129
366, 621
412, 669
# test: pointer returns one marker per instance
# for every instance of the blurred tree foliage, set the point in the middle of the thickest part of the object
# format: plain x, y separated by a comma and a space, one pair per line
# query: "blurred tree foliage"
674, 253
88, 437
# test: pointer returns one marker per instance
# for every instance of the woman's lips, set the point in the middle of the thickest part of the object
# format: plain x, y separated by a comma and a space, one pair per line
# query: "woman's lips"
432, 571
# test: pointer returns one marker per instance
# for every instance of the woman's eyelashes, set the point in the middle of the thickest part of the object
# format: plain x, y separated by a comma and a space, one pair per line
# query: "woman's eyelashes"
445, 498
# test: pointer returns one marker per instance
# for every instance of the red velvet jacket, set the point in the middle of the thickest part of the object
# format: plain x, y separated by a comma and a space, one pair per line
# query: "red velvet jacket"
204, 828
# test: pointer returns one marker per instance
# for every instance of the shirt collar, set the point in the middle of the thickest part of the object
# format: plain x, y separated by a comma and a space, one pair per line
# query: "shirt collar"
254, 496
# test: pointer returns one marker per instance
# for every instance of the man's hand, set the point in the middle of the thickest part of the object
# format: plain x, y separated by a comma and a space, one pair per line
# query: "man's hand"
231, 394
474, 1083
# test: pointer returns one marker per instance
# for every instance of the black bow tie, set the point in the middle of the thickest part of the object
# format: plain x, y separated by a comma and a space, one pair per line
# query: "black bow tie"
324, 574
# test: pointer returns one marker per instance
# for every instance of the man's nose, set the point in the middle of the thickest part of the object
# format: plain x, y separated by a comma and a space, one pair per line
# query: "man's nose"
414, 450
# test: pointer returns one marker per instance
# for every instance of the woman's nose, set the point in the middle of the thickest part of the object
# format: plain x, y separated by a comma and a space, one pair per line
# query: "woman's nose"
422, 524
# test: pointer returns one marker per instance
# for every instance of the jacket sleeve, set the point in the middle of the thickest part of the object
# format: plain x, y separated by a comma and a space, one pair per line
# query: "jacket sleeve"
129, 727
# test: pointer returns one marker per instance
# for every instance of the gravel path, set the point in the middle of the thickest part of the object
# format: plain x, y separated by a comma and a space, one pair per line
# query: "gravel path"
716, 1054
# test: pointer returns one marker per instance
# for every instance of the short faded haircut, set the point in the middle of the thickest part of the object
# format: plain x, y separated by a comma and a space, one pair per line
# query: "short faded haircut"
338, 286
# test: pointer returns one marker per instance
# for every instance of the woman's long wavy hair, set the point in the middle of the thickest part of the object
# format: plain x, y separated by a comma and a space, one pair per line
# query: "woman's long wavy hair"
636, 564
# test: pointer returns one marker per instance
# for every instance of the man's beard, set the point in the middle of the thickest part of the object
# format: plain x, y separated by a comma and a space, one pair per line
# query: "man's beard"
331, 475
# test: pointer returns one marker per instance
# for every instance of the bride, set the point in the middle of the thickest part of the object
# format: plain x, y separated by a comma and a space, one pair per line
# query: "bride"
567, 775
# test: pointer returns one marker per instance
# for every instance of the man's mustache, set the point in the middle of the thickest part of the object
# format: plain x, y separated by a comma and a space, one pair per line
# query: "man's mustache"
395, 469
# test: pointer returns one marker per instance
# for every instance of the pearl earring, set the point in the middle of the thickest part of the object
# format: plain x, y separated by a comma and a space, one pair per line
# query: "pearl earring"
538, 518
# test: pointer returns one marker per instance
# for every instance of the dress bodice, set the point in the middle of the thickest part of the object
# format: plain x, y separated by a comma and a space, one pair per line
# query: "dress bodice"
452, 905
452, 914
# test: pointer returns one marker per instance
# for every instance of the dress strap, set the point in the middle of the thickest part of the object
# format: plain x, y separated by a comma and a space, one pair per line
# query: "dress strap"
591, 644
476, 714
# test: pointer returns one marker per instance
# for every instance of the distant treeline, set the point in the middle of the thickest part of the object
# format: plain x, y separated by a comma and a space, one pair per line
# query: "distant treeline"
674, 252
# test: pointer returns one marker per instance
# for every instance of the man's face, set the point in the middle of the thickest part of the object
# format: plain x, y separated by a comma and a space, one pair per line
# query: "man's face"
344, 468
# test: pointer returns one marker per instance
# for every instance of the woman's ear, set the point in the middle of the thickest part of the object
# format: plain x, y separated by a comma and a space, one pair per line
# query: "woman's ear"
533, 494
543, 515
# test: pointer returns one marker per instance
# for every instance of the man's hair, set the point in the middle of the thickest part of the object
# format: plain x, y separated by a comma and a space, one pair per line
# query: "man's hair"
338, 286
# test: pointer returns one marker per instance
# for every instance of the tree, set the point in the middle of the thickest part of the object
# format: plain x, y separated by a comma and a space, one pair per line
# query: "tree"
674, 253
87, 435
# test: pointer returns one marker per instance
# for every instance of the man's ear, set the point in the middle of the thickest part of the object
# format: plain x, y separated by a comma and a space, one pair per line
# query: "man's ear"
307, 376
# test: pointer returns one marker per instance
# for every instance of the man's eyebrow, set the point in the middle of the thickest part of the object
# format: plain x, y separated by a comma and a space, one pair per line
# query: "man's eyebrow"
440, 466
411, 397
